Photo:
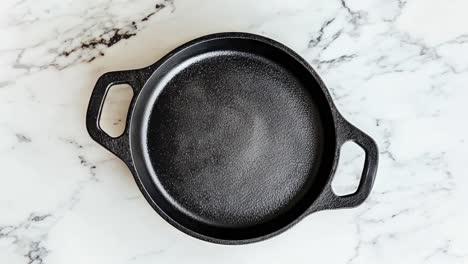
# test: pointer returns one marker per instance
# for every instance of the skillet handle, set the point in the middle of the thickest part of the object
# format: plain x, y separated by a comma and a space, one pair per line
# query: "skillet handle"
118, 145
328, 199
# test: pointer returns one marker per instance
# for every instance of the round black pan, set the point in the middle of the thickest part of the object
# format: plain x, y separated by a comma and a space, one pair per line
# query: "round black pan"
232, 138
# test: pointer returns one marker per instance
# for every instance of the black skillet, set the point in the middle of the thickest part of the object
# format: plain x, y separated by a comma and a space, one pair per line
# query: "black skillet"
232, 138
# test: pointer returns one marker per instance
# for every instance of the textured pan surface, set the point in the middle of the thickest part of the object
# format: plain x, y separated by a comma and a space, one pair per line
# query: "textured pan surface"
232, 137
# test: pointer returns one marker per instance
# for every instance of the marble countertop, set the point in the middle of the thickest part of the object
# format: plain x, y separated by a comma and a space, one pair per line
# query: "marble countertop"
397, 69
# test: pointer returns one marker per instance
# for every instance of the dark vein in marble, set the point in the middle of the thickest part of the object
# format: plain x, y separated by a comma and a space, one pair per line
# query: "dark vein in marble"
332, 62
89, 48
22, 138
38, 218
356, 15
116, 35
84, 162
446, 250
117, 122
72, 142
157, 8
110, 37
35, 251
401, 3
313, 42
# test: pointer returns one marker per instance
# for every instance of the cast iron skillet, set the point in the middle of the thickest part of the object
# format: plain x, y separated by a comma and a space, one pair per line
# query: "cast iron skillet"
232, 138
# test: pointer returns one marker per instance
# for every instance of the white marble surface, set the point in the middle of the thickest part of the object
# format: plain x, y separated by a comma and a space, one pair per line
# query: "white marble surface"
398, 69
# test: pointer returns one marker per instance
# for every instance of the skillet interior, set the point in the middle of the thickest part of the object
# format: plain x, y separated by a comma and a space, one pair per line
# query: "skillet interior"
232, 138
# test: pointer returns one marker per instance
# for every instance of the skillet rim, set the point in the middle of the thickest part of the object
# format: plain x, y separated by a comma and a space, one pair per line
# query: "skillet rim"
150, 70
